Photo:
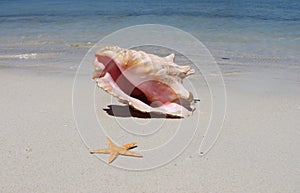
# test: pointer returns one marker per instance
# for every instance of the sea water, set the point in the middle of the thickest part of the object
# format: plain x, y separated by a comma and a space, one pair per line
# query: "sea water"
58, 33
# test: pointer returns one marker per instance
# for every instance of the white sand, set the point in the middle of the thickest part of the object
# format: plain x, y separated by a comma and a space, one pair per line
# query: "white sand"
41, 150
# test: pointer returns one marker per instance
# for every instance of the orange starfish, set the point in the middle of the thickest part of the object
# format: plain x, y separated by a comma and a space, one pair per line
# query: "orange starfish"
115, 150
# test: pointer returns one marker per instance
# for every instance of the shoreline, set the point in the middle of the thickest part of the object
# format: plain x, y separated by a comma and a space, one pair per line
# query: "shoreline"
270, 77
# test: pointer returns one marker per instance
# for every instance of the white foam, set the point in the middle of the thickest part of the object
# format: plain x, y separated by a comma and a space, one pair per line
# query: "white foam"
19, 56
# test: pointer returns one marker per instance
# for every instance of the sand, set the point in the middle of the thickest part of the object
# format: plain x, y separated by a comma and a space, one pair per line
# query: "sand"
42, 151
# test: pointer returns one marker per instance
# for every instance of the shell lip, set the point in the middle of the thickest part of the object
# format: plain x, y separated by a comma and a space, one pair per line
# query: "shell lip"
100, 68
98, 74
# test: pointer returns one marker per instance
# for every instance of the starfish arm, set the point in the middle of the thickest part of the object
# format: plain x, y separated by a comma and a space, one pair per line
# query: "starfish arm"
110, 143
106, 150
129, 145
112, 156
130, 153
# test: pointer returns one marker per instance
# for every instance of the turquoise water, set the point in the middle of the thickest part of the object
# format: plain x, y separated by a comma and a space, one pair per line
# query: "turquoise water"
249, 33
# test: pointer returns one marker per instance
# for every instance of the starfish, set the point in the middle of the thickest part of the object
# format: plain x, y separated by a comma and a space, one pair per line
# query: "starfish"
115, 150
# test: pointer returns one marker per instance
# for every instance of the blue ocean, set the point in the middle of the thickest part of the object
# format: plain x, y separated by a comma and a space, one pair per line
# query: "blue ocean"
238, 33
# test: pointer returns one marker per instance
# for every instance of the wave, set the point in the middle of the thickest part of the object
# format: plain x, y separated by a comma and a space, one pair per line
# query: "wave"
59, 16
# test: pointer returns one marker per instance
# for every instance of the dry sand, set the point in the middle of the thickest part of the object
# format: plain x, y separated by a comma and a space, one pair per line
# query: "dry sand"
42, 151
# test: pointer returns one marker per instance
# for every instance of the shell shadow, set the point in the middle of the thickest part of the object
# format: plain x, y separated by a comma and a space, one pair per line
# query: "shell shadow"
128, 111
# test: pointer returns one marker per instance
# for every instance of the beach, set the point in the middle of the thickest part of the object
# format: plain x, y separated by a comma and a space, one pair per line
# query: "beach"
42, 150
45, 139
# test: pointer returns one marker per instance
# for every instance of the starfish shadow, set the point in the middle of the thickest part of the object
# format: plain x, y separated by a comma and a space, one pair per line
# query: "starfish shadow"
132, 147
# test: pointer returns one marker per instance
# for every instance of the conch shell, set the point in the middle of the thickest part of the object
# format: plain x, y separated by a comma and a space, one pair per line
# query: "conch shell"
146, 82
